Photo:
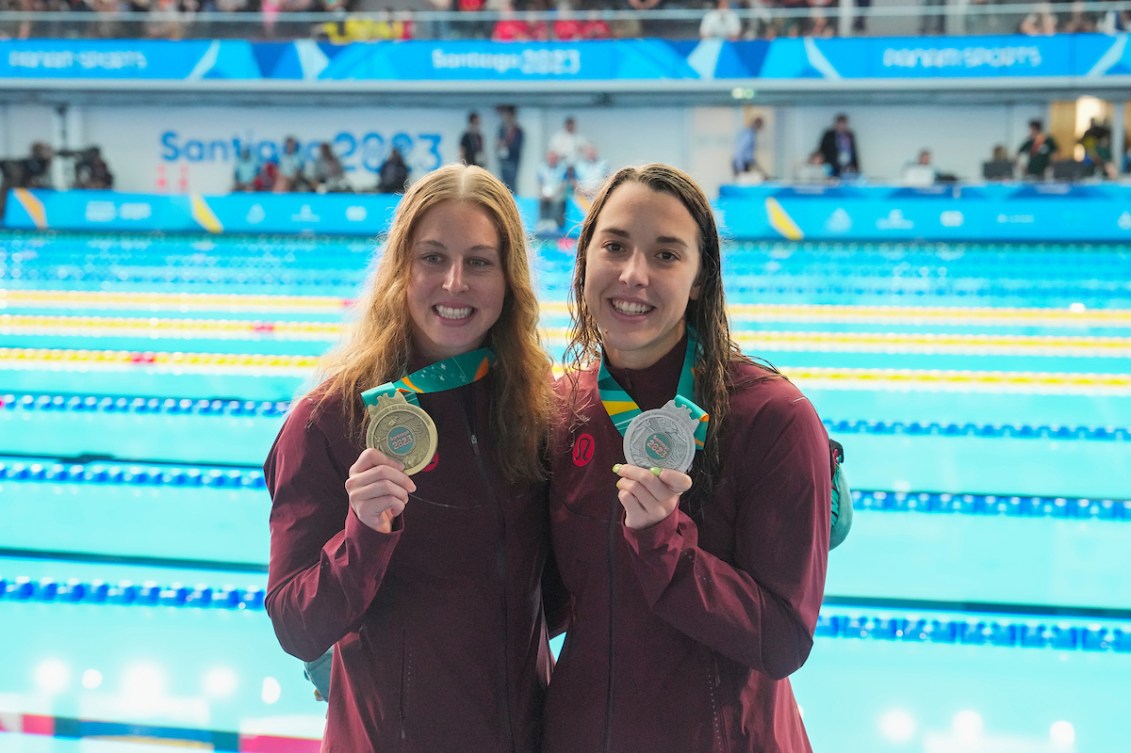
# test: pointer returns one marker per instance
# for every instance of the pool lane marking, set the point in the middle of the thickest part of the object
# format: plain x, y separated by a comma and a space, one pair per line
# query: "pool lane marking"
873, 379
1065, 317
57, 299
112, 359
752, 342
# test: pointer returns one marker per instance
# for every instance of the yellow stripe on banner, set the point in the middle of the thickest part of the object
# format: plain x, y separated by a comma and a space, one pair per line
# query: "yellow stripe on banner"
204, 215
33, 206
781, 221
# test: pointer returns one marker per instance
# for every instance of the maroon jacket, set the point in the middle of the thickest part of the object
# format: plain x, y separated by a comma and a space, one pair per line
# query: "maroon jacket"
682, 634
439, 632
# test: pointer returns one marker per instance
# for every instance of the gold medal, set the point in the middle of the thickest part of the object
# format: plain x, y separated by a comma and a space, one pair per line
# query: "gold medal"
402, 431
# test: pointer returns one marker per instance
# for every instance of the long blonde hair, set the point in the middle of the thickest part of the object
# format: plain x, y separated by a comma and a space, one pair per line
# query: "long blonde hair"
379, 345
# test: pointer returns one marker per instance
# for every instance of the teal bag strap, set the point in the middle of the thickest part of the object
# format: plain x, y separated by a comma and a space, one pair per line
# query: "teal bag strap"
841, 498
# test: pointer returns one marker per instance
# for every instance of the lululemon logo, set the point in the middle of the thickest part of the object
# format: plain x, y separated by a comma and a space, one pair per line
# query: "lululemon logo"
583, 448
432, 465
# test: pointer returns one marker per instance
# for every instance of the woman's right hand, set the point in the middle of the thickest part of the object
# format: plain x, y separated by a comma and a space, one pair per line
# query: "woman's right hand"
378, 490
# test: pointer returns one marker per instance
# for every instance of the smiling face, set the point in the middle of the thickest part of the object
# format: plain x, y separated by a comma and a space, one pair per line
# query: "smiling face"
456, 284
641, 270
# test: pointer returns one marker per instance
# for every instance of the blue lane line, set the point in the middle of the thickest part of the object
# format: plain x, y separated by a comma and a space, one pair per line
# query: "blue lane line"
1060, 633
172, 406
1019, 431
126, 593
121, 473
131, 474
992, 504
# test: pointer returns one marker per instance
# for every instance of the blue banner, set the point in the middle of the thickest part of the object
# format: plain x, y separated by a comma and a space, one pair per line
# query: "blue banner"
248, 213
1068, 55
998, 212
187, 60
1090, 55
1002, 212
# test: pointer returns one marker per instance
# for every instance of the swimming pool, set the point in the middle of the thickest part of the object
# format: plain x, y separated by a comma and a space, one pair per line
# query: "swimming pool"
983, 394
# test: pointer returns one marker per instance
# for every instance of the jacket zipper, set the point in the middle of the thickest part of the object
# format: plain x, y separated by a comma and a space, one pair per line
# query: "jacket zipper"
715, 682
500, 571
406, 671
614, 515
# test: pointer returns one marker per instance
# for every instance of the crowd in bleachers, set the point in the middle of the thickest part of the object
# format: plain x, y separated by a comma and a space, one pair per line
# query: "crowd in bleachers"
521, 20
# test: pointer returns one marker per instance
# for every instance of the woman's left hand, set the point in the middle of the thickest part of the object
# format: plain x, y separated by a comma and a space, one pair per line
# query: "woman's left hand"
649, 495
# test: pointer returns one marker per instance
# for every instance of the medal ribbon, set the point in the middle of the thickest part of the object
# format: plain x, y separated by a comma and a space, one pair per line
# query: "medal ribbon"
622, 408
448, 374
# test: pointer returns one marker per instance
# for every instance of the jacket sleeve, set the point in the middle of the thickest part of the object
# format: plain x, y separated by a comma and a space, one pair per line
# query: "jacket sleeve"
760, 610
326, 566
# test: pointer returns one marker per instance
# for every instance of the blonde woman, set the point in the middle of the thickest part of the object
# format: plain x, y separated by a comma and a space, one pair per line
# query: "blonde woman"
421, 567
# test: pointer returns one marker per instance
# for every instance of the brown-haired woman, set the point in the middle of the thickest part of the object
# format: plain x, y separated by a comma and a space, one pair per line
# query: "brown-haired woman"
426, 585
696, 575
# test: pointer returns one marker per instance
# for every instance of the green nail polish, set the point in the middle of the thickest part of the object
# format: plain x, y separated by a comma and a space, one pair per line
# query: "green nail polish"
616, 468
656, 472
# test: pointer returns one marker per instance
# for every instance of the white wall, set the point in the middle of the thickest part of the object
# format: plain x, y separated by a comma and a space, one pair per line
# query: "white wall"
168, 148
22, 124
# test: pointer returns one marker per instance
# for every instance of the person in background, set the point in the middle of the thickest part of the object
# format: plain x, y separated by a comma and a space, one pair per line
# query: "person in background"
1038, 151
1040, 22
290, 173
745, 159
838, 147
920, 171
419, 557
246, 171
588, 175
568, 144
35, 169
1096, 141
326, 172
92, 172
815, 169
721, 23
695, 575
471, 142
553, 180
508, 146
392, 177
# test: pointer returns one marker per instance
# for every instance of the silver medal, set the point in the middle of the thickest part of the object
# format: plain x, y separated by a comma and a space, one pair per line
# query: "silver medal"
661, 438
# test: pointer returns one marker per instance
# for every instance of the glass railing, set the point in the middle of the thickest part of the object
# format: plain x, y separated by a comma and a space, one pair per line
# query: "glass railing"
760, 22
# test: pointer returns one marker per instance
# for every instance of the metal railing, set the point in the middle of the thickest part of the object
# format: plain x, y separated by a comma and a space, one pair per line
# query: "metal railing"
847, 19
